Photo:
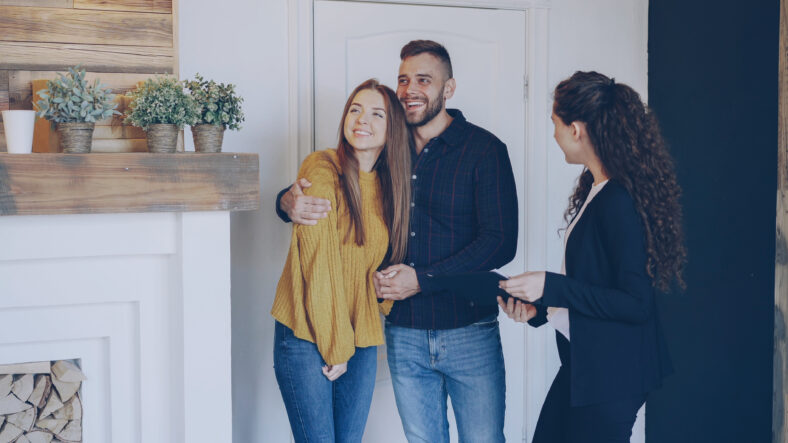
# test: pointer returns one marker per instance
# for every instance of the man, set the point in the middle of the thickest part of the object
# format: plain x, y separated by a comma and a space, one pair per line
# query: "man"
463, 219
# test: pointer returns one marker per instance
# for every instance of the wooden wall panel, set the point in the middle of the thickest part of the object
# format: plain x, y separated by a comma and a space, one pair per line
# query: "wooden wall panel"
21, 92
47, 25
39, 3
780, 362
3, 91
3, 104
119, 145
122, 42
157, 6
98, 58
118, 131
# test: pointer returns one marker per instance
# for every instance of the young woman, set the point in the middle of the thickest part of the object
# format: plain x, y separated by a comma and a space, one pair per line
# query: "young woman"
623, 243
327, 314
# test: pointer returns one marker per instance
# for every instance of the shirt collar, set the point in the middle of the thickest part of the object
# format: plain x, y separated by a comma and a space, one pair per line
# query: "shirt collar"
455, 132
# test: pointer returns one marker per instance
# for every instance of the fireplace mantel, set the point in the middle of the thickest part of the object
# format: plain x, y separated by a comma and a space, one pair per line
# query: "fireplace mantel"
123, 262
46, 184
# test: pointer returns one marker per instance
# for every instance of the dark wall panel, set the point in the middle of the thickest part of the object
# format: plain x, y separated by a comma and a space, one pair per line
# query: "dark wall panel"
713, 85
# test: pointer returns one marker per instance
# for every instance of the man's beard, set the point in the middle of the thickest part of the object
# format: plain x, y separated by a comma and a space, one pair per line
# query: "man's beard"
434, 107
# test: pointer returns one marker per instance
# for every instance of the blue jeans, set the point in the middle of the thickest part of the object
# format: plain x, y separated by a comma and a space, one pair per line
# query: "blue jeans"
320, 410
463, 363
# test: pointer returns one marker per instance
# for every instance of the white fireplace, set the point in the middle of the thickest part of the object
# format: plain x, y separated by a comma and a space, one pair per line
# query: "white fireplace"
142, 300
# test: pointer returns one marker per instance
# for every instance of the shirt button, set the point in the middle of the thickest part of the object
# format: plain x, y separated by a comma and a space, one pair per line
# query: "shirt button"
413, 177
412, 204
412, 234
426, 149
412, 264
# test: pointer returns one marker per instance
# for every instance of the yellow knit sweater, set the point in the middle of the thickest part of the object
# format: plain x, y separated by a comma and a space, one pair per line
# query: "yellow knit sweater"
326, 294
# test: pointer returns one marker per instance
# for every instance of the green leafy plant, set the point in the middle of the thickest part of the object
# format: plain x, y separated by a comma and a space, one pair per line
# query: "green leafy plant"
219, 103
70, 98
161, 100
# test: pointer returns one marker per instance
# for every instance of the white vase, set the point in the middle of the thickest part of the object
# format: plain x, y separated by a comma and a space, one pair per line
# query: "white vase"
19, 131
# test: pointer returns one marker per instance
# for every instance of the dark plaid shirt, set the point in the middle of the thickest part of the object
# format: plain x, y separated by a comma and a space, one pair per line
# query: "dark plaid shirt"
463, 219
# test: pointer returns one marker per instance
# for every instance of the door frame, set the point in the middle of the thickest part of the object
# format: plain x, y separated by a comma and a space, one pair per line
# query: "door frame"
533, 240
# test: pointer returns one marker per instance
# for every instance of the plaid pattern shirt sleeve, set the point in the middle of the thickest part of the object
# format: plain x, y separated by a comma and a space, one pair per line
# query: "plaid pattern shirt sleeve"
279, 212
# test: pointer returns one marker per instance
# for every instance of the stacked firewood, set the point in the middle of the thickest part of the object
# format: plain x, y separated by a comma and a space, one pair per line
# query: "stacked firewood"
40, 402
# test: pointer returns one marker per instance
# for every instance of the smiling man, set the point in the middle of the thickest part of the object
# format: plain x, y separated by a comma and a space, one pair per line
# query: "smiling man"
463, 219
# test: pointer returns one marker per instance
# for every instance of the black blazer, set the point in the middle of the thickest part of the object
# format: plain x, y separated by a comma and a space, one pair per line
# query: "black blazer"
616, 348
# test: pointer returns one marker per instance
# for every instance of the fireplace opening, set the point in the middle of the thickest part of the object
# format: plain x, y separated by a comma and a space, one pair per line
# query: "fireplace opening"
41, 402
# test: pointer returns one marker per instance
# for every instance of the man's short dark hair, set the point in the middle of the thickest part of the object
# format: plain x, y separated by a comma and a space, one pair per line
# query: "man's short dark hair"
416, 47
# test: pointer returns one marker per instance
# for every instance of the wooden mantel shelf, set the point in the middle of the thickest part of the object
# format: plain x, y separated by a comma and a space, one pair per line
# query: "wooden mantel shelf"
40, 184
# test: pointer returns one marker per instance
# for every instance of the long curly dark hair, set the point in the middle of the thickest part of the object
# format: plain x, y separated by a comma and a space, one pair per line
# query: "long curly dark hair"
626, 137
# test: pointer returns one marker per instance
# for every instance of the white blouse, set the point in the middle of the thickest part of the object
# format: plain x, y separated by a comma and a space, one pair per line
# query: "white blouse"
559, 317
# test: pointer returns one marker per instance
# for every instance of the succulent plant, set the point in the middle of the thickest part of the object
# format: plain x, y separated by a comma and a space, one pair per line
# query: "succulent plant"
220, 105
161, 100
70, 98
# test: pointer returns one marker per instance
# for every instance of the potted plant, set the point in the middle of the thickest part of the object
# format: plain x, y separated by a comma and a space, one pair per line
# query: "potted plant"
220, 110
161, 108
74, 105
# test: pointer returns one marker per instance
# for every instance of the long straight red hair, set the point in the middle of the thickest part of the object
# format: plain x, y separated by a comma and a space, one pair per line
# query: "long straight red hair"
393, 168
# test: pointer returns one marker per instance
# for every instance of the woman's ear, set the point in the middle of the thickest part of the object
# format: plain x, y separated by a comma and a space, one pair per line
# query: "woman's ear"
578, 130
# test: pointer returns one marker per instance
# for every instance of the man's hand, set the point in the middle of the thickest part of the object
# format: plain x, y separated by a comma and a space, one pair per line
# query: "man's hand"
517, 310
528, 286
333, 372
303, 209
397, 282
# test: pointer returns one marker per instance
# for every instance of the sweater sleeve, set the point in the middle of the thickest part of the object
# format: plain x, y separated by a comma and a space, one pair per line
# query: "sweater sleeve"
629, 295
321, 263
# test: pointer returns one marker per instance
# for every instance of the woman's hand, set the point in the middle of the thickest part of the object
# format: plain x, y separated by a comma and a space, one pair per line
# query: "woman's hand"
528, 286
333, 372
517, 310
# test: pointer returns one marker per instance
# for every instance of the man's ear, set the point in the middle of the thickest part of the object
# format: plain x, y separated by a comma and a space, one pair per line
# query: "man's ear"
448, 88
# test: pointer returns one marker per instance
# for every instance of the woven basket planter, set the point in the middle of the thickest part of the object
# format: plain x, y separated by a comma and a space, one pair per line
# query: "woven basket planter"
208, 138
162, 138
76, 138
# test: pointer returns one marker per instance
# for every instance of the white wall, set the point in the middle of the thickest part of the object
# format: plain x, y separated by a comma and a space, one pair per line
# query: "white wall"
245, 42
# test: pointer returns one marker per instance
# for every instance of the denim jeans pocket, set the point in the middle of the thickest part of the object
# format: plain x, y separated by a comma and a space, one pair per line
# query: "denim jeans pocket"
286, 339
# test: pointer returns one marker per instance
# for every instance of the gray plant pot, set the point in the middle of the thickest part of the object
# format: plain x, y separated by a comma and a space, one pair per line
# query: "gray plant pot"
76, 137
208, 138
162, 138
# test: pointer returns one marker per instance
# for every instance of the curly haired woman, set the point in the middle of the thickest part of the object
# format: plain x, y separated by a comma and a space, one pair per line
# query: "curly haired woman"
622, 245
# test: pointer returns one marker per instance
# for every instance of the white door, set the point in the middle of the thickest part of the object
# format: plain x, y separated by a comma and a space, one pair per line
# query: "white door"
355, 41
